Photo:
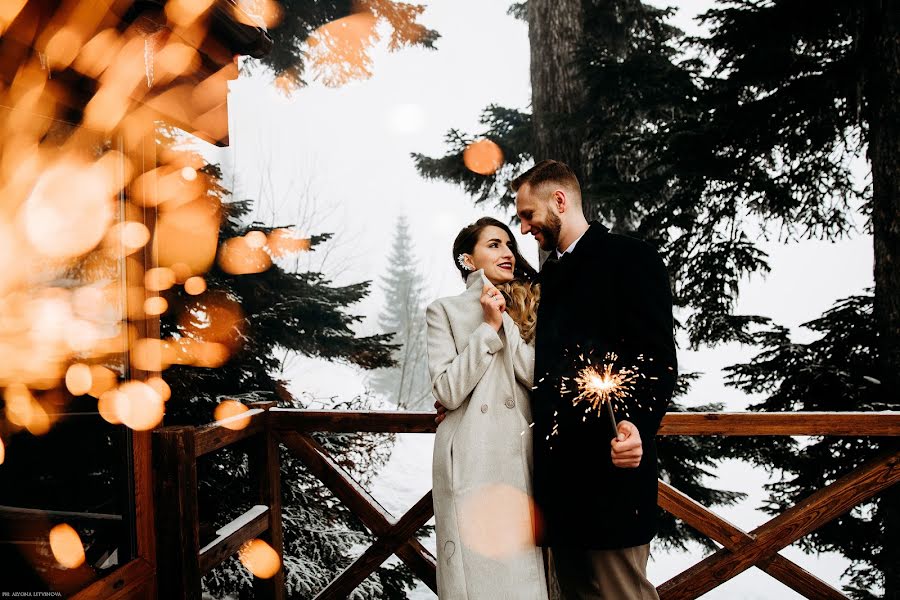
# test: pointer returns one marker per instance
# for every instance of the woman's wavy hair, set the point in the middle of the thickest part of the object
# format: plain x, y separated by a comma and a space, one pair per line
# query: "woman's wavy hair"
522, 294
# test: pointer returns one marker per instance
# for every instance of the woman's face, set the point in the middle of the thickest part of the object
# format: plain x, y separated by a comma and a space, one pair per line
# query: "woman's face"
493, 253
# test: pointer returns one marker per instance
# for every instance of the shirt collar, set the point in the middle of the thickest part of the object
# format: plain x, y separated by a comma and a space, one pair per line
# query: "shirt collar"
571, 246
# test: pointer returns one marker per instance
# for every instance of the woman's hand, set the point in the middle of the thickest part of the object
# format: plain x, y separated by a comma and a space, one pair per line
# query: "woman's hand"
493, 304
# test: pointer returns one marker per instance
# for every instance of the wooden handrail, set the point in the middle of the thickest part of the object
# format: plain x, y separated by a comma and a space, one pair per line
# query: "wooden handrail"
877, 424
232, 536
861, 424
218, 434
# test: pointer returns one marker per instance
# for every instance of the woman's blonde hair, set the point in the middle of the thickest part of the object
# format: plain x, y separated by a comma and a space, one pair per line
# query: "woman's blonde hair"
522, 299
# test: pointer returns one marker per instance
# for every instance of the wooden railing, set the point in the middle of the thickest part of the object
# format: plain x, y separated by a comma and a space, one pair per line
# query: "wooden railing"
291, 427
181, 562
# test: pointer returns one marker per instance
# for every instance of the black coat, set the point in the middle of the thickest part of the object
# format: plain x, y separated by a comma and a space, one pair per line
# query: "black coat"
611, 294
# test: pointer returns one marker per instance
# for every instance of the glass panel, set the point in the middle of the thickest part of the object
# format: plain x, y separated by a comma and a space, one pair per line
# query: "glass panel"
66, 474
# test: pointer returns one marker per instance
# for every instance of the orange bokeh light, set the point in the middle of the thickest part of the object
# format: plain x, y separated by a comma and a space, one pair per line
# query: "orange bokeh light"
129, 236
66, 546
483, 157
214, 317
81, 335
229, 411
195, 285
155, 305
102, 380
159, 279
147, 355
284, 242
19, 404
185, 12
237, 257
107, 406
175, 60
188, 234
338, 51
39, 423
256, 239
79, 380
182, 272
2, 451
496, 521
9, 9
69, 210
95, 56
139, 406
260, 559
259, 12
62, 48
162, 388
209, 354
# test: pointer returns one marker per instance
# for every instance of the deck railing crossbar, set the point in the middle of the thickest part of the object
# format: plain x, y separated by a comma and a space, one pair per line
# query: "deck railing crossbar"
182, 562
740, 549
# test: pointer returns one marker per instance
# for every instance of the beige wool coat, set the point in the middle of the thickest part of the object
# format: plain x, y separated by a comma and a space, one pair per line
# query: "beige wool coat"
482, 453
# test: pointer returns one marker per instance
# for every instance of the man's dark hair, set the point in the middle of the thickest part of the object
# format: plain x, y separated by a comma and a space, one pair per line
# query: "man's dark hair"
552, 171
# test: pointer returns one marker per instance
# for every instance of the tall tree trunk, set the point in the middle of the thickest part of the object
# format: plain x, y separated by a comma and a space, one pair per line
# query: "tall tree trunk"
555, 31
882, 88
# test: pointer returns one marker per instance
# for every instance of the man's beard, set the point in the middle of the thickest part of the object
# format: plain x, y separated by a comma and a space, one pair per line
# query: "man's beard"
550, 232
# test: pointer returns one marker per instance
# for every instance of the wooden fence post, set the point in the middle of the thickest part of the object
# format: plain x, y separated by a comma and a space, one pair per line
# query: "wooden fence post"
265, 468
177, 520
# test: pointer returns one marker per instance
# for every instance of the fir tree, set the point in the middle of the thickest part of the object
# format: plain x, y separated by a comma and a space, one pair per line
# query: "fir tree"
838, 371
303, 313
801, 89
407, 384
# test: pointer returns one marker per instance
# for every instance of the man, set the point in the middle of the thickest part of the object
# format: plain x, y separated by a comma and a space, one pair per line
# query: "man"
603, 295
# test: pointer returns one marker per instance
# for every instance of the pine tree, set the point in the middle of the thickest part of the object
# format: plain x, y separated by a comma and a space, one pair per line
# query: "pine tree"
801, 90
837, 371
304, 313
406, 385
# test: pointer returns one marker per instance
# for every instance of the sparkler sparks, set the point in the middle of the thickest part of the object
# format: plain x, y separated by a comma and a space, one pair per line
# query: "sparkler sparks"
599, 384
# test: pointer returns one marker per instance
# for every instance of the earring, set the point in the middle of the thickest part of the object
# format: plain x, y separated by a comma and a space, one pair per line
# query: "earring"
461, 259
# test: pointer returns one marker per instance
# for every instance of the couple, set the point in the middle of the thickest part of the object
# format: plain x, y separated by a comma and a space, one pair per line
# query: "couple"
519, 462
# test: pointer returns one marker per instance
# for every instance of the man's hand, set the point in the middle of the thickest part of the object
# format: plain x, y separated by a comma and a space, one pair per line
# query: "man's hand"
441, 412
627, 448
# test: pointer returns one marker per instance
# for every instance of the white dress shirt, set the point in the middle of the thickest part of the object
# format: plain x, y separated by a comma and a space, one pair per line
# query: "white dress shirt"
570, 248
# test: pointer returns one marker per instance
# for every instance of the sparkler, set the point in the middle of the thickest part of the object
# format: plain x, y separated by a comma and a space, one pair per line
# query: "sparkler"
599, 385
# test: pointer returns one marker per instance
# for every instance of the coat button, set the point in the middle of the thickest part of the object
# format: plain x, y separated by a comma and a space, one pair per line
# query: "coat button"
484, 408
510, 403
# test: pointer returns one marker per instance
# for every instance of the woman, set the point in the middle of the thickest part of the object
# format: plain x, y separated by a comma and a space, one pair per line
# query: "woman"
481, 365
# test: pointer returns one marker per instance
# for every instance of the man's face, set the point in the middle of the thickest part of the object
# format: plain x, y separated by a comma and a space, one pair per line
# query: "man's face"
539, 216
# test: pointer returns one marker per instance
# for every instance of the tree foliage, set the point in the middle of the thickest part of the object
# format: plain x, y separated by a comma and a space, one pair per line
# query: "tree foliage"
330, 40
305, 314
406, 385
837, 371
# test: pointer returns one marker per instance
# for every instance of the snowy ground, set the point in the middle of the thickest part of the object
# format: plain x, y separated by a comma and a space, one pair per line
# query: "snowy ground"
408, 476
